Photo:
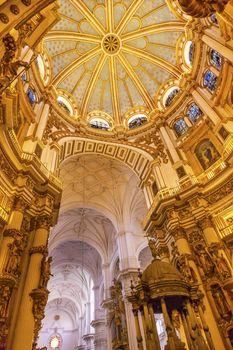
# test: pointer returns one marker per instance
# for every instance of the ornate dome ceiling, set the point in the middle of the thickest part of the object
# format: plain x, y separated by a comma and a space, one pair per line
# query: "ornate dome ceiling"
113, 55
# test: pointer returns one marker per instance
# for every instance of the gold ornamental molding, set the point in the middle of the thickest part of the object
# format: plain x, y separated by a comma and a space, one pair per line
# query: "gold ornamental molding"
200, 8
109, 43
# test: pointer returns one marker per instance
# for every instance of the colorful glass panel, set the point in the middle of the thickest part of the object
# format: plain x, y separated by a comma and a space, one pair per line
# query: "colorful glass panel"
210, 80
216, 59
180, 127
31, 96
171, 97
194, 112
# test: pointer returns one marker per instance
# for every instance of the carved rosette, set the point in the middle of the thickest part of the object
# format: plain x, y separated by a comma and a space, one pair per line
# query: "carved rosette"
200, 8
39, 297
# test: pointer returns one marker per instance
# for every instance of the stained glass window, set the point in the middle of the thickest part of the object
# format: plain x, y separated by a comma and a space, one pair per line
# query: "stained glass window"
24, 77
171, 97
214, 19
137, 121
63, 106
216, 59
180, 127
99, 124
191, 51
194, 112
31, 96
210, 80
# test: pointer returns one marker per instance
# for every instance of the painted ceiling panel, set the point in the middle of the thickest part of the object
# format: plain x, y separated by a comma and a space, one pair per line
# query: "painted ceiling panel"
111, 55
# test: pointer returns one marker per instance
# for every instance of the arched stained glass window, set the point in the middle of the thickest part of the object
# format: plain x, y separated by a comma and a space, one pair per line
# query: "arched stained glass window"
64, 104
194, 112
31, 96
180, 127
137, 120
99, 124
24, 77
210, 80
213, 19
216, 59
191, 51
171, 97
188, 53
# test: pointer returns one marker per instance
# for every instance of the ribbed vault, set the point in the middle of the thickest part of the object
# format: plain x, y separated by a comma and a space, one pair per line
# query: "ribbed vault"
112, 56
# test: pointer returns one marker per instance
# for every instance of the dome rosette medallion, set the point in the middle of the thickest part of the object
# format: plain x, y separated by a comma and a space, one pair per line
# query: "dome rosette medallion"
113, 56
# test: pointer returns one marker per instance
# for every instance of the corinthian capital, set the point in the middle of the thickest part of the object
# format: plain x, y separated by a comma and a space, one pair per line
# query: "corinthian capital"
44, 221
200, 8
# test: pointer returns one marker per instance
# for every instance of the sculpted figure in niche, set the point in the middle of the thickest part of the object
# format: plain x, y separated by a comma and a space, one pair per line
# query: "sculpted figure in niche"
5, 293
206, 153
220, 262
154, 250
176, 319
186, 270
174, 251
14, 259
203, 259
220, 300
45, 271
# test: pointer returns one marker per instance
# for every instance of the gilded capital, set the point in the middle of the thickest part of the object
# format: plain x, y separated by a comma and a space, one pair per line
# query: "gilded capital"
179, 233
200, 8
20, 204
12, 233
205, 223
44, 221
42, 249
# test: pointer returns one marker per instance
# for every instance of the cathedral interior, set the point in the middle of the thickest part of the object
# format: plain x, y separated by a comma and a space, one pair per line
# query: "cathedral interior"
116, 174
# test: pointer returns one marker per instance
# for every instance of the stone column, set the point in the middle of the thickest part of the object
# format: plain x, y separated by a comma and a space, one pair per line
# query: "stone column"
88, 338
169, 144
12, 228
35, 293
100, 339
126, 278
209, 232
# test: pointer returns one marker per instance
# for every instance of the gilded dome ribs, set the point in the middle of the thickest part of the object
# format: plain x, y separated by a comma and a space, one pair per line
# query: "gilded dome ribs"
64, 35
155, 60
102, 49
110, 16
128, 15
92, 82
144, 93
64, 73
79, 4
153, 29
114, 89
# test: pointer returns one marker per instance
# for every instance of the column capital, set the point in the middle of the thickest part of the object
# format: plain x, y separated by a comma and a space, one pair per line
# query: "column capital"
179, 233
42, 249
11, 232
19, 204
205, 222
44, 221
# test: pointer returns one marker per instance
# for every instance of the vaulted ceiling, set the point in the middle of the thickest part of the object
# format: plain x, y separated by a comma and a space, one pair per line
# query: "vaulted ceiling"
112, 56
